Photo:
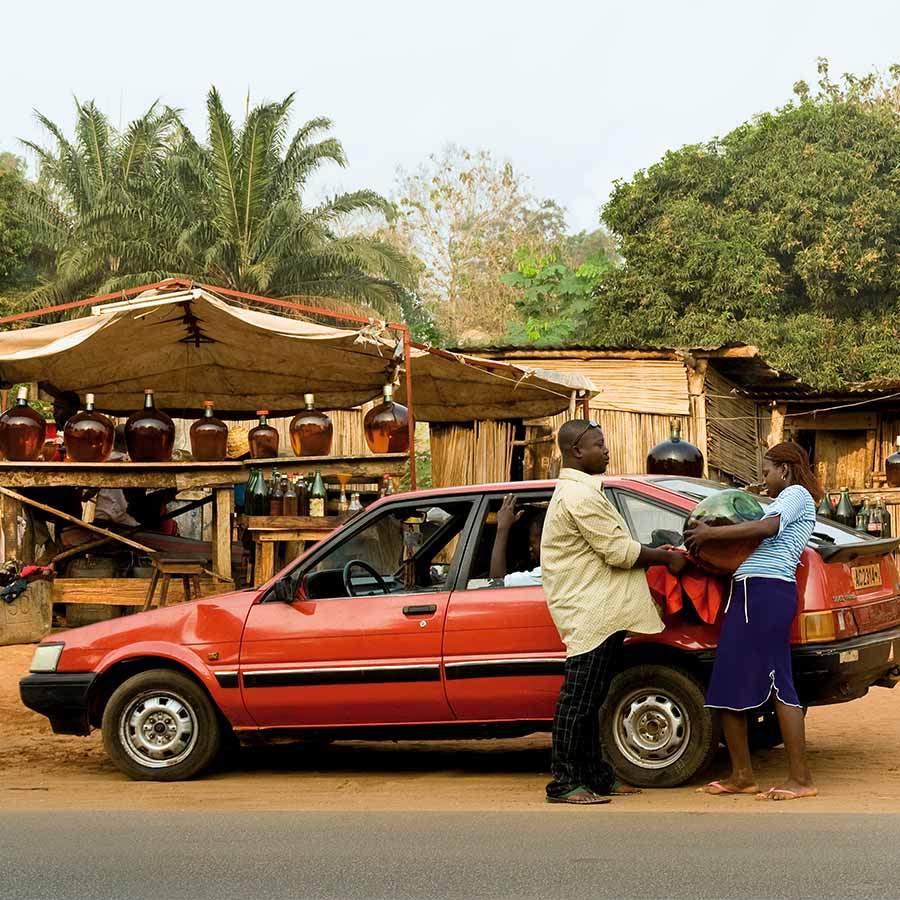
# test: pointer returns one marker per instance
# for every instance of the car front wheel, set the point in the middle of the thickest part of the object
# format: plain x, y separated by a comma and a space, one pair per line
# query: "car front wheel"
160, 725
655, 729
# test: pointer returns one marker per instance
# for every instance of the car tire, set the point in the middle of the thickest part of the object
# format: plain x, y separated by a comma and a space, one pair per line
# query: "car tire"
655, 730
160, 725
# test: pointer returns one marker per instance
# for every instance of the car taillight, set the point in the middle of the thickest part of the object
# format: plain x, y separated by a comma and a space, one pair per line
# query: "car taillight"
831, 625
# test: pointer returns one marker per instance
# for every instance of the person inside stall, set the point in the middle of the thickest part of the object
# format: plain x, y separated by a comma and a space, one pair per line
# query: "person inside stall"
507, 517
64, 499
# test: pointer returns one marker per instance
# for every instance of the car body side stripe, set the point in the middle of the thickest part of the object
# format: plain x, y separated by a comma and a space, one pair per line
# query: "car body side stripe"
504, 668
341, 675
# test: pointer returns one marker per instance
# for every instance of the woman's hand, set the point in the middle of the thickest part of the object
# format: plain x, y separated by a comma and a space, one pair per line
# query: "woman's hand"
507, 516
677, 561
696, 535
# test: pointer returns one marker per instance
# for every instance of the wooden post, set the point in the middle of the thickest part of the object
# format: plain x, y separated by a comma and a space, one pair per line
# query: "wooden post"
776, 431
9, 509
221, 538
696, 379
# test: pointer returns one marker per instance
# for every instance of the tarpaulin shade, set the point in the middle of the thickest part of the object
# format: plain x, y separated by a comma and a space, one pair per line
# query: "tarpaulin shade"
190, 345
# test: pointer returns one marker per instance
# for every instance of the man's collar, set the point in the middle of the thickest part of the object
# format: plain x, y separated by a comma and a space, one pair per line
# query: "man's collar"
595, 481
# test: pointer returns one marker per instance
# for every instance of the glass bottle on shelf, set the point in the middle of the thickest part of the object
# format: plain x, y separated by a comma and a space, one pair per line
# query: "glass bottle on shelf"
825, 510
845, 513
892, 466
263, 438
276, 495
149, 433
317, 496
863, 516
258, 495
291, 500
311, 430
874, 526
886, 522
250, 492
209, 436
387, 486
387, 425
23, 430
89, 435
302, 495
355, 506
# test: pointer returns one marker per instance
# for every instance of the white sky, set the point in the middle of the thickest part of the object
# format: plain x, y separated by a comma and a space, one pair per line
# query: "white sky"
574, 94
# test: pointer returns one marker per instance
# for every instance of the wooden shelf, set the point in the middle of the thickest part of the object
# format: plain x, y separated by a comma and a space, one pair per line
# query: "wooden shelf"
357, 467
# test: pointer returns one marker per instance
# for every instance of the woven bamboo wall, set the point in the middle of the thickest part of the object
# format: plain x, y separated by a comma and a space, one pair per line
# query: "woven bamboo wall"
731, 431
480, 453
628, 385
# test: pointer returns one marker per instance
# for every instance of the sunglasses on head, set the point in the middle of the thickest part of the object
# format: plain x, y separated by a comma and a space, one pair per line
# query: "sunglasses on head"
587, 428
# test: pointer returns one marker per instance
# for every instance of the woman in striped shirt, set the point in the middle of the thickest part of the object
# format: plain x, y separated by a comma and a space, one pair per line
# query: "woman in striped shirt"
753, 659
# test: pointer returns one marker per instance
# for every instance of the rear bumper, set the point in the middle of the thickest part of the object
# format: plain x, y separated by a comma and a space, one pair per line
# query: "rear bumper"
844, 670
62, 697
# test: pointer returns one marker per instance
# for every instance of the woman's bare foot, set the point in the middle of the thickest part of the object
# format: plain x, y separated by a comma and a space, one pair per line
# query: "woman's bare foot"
790, 790
729, 786
620, 789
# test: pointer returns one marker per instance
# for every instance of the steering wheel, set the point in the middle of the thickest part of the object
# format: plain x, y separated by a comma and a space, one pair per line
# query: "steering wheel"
348, 583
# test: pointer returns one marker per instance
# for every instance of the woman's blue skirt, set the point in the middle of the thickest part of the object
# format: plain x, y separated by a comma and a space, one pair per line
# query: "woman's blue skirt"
753, 659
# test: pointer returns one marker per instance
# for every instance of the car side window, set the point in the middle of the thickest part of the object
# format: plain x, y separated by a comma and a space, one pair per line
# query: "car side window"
406, 549
651, 523
520, 564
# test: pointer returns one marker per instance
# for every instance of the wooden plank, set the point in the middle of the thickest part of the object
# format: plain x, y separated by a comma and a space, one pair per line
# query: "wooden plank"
74, 519
835, 421
310, 523
9, 509
120, 591
287, 535
264, 567
776, 429
221, 538
113, 475
365, 467
696, 383
841, 459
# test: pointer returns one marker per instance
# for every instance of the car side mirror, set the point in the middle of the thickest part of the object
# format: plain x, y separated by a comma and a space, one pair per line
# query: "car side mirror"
284, 590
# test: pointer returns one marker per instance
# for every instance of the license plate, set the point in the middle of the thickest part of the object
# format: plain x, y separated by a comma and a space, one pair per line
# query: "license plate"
866, 576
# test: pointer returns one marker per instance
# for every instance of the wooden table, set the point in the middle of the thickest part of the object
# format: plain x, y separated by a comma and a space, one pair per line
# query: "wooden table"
267, 531
220, 477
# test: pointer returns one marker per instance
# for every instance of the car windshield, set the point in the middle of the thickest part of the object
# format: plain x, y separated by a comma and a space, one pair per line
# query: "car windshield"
698, 489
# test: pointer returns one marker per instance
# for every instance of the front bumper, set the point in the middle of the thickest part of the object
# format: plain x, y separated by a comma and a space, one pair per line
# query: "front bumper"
63, 697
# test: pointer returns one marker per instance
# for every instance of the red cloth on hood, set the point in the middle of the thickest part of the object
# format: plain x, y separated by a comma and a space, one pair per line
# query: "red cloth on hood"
704, 591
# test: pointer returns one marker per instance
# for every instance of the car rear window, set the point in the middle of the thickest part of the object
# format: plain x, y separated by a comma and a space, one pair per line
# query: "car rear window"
826, 532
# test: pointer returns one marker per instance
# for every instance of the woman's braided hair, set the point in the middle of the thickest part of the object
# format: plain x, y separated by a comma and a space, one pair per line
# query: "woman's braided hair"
793, 455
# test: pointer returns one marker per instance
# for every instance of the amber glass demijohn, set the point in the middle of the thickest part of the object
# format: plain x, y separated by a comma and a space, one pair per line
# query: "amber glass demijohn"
89, 435
387, 425
675, 456
311, 430
23, 430
263, 438
892, 467
209, 436
149, 433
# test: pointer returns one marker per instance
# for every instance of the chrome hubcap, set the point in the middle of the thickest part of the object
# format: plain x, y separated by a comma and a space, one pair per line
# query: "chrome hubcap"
158, 729
650, 729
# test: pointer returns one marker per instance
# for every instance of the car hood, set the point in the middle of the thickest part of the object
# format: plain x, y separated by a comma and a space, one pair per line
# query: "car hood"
209, 619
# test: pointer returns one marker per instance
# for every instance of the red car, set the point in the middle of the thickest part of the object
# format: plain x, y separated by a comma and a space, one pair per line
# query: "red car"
391, 628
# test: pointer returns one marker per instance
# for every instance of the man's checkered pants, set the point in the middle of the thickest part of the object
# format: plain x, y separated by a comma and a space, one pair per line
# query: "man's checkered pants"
577, 758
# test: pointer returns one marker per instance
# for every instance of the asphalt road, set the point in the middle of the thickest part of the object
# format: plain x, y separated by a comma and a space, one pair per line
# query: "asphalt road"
558, 853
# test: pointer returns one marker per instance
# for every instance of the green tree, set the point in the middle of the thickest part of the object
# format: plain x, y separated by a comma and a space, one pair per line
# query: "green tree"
462, 215
15, 240
552, 296
784, 233
123, 209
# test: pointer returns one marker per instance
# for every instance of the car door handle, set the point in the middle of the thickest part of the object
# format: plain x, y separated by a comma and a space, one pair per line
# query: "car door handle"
423, 610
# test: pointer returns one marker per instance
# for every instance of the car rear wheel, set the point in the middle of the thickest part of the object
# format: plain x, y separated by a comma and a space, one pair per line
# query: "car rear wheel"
160, 725
655, 729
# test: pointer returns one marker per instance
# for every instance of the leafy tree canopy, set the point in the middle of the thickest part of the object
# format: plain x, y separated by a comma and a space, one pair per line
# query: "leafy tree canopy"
783, 234
15, 240
123, 209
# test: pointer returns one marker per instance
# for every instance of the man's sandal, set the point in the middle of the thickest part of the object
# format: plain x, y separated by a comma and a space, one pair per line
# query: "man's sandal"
580, 796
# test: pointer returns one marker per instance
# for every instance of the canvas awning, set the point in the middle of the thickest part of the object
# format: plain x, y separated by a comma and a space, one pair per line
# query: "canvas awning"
190, 345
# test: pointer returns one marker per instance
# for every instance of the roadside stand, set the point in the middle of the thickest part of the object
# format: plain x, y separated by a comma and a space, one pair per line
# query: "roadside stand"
270, 427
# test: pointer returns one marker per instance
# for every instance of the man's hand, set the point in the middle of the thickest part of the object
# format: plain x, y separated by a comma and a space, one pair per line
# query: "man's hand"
677, 561
696, 535
507, 516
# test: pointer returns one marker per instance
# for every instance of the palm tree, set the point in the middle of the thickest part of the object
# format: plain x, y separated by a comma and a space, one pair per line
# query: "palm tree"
98, 203
121, 210
250, 229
